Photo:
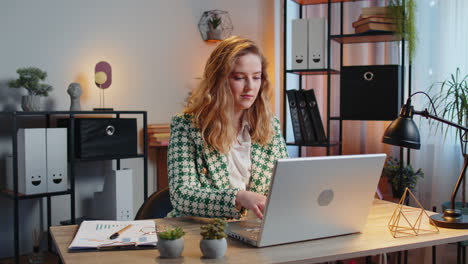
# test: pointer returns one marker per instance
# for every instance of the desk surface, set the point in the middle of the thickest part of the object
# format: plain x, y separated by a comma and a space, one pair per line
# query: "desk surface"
375, 239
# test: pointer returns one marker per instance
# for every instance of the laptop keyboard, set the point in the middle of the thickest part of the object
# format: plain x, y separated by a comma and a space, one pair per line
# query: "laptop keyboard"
247, 229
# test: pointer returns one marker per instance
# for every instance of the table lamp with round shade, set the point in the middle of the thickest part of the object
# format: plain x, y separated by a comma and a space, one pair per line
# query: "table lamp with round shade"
103, 80
403, 132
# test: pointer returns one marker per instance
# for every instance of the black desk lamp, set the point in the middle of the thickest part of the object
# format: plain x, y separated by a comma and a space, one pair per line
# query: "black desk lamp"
404, 133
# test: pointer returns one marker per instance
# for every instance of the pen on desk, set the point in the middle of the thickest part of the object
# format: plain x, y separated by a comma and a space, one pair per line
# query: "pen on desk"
116, 234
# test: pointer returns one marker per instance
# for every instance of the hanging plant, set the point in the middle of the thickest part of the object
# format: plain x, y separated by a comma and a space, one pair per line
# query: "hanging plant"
404, 13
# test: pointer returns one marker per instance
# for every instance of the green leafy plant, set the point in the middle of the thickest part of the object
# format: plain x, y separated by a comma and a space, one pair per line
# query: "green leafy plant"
405, 22
214, 230
214, 21
172, 234
451, 96
407, 176
29, 79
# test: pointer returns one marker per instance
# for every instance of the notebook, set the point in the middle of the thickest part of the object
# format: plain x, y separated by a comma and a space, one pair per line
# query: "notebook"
96, 235
314, 197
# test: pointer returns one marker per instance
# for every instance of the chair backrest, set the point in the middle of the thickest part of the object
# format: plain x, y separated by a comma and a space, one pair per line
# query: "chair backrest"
156, 206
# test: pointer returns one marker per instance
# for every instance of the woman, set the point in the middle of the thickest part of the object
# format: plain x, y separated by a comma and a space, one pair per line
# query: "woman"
224, 144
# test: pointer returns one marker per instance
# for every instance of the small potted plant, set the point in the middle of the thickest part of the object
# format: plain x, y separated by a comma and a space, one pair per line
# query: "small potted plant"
29, 79
407, 176
171, 243
214, 245
215, 30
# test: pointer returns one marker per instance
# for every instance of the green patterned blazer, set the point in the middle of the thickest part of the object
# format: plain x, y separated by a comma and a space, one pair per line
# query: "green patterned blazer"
199, 176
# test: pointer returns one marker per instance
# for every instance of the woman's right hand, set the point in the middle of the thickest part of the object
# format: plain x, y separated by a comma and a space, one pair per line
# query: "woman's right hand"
252, 201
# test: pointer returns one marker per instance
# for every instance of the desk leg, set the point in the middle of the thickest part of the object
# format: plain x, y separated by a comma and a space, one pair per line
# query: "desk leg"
161, 166
463, 254
434, 251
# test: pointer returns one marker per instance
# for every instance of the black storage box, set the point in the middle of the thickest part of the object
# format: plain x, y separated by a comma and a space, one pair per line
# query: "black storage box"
103, 137
370, 92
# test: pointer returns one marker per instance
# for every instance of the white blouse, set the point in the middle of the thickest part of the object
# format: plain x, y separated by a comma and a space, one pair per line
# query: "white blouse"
239, 162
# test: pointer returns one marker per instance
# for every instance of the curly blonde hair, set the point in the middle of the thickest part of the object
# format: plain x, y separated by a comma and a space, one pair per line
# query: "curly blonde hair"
212, 106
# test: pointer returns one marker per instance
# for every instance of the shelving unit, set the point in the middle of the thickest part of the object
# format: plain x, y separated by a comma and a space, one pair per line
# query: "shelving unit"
72, 160
341, 39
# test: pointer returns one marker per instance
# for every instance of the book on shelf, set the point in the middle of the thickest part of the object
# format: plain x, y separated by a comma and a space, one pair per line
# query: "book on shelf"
159, 128
375, 16
160, 135
374, 19
97, 235
153, 143
162, 125
375, 27
159, 138
153, 131
376, 10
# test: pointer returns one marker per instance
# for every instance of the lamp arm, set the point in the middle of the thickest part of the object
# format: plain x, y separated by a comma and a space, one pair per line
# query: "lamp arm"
426, 114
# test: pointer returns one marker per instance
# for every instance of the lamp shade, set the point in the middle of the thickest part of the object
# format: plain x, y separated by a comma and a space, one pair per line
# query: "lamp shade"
402, 132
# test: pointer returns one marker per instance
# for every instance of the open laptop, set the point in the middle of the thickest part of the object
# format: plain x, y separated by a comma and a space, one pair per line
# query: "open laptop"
312, 198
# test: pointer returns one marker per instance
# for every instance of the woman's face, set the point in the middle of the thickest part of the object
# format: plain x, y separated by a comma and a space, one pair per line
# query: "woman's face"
245, 81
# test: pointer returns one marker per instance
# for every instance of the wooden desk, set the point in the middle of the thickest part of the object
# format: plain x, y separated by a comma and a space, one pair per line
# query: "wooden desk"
375, 239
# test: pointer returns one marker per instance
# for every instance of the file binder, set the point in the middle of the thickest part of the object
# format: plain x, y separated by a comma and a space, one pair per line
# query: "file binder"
315, 115
56, 156
294, 111
305, 118
299, 42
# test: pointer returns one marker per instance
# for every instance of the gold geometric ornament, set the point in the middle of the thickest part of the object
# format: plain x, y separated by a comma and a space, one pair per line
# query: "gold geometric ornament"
410, 221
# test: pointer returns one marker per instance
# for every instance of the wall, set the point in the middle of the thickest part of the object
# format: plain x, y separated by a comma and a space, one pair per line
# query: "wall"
156, 54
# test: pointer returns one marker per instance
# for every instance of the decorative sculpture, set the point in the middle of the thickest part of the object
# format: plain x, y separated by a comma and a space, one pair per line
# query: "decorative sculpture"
409, 221
215, 25
74, 90
103, 80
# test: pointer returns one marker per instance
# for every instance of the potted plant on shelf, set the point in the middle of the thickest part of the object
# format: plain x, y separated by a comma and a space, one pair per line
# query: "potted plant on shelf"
29, 79
404, 13
400, 178
214, 245
171, 243
214, 32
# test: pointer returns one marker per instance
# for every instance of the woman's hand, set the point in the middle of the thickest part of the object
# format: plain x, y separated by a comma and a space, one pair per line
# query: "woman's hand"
252, 201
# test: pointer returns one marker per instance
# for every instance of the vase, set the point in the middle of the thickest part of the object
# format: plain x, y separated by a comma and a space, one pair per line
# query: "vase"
170, 248
214, 34
31, 103
213, 248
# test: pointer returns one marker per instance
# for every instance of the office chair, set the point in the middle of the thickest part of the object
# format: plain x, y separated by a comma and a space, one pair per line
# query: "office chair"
156, 206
